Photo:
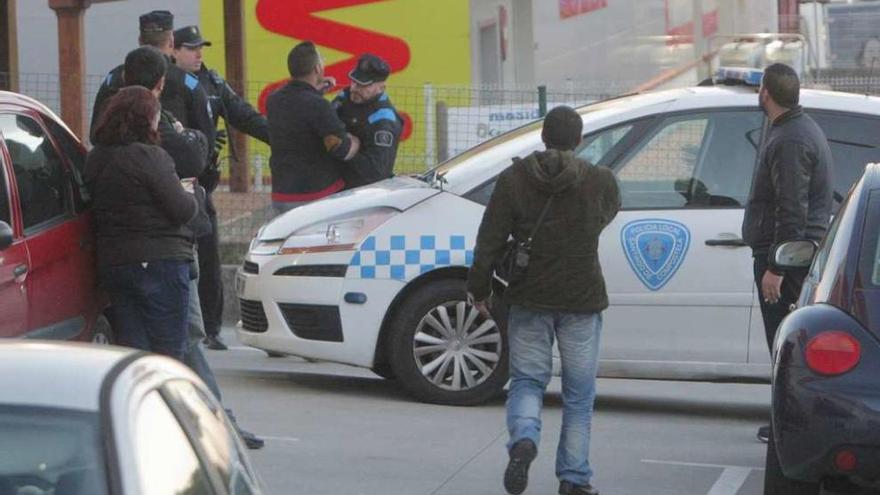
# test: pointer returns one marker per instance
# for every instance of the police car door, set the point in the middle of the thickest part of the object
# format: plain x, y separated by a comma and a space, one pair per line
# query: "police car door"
678, 275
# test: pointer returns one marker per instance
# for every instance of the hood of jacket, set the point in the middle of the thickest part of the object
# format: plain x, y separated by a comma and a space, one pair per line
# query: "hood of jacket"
554, 170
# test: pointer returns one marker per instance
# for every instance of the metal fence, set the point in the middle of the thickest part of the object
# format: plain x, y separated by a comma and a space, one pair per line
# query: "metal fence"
442, 121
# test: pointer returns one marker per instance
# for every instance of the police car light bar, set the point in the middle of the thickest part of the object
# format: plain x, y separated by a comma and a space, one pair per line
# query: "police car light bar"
739, 75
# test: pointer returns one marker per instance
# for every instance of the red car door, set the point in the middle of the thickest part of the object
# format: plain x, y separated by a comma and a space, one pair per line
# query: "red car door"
13, 263
60, 277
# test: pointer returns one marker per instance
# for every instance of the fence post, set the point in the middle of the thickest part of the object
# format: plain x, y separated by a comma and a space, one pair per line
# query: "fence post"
258, 173
542, 101
442, 132
430, 134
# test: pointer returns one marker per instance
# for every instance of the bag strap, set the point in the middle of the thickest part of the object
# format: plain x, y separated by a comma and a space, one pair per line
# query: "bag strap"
540, 220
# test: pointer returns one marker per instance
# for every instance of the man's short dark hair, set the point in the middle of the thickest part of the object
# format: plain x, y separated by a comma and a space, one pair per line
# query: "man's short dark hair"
783, 85
302, 59
158, 39
562, 128
144, 66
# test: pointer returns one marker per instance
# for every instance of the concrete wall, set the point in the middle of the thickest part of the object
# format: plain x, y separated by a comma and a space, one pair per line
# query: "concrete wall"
111, 32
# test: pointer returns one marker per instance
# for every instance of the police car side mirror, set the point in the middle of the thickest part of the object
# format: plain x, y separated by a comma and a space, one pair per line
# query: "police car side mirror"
795, 254
5, 235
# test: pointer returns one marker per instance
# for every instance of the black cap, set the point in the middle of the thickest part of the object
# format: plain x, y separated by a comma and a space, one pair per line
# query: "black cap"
157, 21
370, 69
562, 128
190, 37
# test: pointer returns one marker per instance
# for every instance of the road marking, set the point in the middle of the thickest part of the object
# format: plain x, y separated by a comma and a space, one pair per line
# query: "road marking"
700, 464
731, 480
281, 439
243, 348
729, 483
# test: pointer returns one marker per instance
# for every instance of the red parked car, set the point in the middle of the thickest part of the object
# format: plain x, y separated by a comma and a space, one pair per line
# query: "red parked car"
48, 284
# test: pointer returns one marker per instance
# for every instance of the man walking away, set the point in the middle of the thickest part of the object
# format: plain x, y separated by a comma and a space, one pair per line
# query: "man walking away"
309, 142
367, 112
563, 203
790, 197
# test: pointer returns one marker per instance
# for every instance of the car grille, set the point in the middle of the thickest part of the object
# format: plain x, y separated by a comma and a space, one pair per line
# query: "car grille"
313, 271
313, 322
253, 317
251, 267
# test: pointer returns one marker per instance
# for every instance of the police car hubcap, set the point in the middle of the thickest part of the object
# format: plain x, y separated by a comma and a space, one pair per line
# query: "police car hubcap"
455, 347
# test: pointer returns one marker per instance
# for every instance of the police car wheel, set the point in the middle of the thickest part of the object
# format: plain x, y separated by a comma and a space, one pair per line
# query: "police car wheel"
443, 351
775, 481
102, 333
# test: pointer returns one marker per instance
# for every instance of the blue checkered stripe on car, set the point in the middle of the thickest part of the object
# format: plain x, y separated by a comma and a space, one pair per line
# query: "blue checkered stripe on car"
400, 257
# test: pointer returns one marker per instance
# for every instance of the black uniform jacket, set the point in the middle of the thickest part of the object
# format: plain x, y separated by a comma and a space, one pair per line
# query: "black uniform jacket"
377, 124
182, 96
226, 103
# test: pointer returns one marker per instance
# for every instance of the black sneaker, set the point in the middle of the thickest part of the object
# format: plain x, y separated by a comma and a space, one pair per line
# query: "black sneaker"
214, 343
516, 476
251, 441
569, 488
764, 434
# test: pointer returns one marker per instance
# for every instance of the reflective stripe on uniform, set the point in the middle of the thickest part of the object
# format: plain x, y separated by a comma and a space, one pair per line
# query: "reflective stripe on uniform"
191, 81
382, 114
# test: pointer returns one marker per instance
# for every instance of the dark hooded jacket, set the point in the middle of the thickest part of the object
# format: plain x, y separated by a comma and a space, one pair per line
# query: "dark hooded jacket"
564, 272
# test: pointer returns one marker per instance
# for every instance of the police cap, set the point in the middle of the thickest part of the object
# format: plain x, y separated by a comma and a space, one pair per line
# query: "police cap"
370, 69
190, 37
157, 21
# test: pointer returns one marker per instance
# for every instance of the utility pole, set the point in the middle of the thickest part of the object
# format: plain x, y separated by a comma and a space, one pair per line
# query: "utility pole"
72, 61
699, 48
234, 24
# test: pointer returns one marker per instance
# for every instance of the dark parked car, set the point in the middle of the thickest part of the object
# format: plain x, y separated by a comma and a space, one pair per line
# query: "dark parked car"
826, 372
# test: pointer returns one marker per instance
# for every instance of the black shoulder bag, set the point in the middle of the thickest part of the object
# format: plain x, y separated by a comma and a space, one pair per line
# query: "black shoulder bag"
511, 268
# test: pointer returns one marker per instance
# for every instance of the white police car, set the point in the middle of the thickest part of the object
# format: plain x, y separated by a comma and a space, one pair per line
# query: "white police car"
374, 277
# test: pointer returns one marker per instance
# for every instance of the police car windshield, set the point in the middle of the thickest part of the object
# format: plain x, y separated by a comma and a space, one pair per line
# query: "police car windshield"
444, 168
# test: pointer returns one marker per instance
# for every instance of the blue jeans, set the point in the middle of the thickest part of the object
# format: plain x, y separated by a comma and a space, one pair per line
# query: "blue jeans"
531, 334
149, 302
194, 357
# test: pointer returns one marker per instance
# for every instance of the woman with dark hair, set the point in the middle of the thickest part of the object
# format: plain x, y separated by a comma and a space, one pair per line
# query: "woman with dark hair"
144, 248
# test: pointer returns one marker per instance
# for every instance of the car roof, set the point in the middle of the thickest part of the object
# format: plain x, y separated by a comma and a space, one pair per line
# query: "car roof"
484, 157
54, 374
18, 99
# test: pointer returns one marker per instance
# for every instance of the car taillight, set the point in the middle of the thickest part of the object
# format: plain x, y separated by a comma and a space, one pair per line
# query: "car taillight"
833, 353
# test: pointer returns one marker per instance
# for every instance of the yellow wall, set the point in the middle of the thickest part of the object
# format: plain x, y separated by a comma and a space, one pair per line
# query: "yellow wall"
435, 31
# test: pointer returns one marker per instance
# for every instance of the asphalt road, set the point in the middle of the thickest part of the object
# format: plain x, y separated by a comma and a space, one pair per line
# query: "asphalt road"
333, 429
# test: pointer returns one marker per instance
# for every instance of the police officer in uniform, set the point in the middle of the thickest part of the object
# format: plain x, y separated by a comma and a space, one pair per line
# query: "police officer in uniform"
183, 97
367, 112
188, 43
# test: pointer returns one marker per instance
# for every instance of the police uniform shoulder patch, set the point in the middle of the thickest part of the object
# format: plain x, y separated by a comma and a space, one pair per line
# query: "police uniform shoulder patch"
191, 81
384, 138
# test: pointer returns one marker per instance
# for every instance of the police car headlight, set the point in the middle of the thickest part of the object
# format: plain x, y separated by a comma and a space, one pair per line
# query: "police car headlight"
342, 233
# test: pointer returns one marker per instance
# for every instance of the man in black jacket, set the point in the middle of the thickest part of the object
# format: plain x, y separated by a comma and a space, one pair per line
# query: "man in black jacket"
367, 112
563, 203
188, 43
790, 197
309, 143
188, 148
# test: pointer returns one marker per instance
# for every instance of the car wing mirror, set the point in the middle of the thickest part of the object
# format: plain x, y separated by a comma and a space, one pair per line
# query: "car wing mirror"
795, 254
5, 235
